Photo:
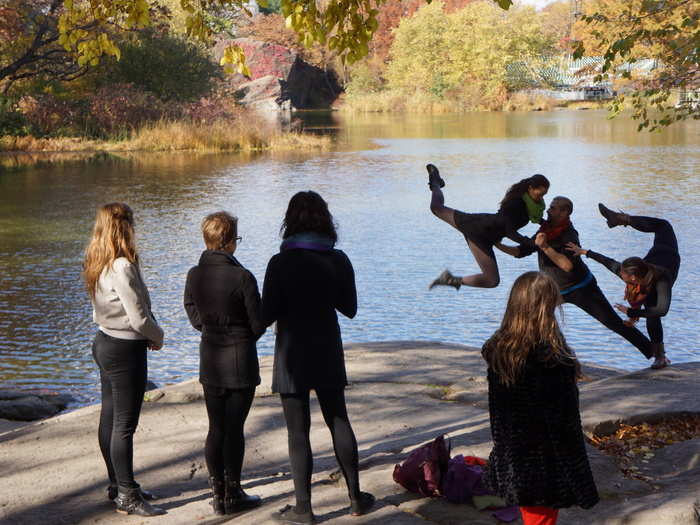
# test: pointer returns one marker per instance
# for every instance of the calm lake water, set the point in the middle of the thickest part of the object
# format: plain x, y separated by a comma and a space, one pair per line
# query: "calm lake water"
375, 183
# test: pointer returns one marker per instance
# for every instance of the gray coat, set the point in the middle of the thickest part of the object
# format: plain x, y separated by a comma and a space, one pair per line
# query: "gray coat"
122, 306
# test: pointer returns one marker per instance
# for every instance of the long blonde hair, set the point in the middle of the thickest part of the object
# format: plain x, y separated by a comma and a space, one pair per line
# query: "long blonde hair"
529, 322
112, 237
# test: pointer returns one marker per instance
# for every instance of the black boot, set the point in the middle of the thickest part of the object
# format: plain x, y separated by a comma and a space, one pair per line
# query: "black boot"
434, 179
660, 359
613, 218
362, 505
218, 489
236, 500
112, 493
446, 279
130, 501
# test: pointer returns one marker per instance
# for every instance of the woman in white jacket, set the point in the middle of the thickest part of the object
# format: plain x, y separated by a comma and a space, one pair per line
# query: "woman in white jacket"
122, 310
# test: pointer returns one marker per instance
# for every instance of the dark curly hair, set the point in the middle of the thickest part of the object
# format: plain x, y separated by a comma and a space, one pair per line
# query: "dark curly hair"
516, 190
308, 212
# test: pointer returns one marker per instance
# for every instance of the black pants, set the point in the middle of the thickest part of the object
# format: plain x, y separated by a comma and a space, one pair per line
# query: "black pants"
664, 253
225, 446
591, 300
298, 417
123, 372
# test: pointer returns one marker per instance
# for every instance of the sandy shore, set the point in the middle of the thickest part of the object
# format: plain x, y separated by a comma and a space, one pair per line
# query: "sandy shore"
402, 395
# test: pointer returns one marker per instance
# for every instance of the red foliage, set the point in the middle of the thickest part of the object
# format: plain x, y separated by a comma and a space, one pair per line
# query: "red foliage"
47, 114
211, 109
120, 107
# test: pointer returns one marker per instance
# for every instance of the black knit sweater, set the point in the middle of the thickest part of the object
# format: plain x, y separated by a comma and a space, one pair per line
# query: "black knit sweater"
539, 454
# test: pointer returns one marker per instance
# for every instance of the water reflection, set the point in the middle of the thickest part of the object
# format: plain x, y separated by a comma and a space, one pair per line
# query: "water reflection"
376, 186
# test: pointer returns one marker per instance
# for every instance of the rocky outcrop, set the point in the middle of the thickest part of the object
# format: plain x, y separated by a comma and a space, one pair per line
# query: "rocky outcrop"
402, 394
28, 406
280, 80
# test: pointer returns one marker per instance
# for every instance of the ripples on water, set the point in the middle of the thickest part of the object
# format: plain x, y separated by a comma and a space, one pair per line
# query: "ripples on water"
376, 188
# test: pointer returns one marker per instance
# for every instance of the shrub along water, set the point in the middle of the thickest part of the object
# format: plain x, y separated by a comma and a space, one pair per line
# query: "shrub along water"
241, 134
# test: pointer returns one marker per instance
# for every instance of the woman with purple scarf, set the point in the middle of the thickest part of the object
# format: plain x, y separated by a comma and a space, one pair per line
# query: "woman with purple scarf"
305, 283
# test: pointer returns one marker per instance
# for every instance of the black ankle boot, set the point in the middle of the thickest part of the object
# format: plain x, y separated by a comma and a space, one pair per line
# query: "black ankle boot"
434, 179
614, 218
236, 499
130, 501
112, 493
218, 489
447, 279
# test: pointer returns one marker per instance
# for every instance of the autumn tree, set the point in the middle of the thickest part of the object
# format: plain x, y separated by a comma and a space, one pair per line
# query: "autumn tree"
437, 52
29, 46
627, 31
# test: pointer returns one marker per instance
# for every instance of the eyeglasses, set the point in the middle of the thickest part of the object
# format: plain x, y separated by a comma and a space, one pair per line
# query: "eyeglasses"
239, 240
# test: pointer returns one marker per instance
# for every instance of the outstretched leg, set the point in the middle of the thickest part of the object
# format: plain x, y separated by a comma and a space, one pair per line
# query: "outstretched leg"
437, 206
664, 236
488, 278
591, 300
485, 258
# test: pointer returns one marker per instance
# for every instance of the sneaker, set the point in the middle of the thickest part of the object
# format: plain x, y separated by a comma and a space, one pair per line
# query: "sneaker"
446, 279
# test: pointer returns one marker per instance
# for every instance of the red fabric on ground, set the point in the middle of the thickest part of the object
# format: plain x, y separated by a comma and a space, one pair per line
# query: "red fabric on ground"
473, 460
539, 515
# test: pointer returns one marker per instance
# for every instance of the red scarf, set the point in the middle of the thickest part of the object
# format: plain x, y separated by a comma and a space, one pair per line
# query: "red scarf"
551, 231
635, 294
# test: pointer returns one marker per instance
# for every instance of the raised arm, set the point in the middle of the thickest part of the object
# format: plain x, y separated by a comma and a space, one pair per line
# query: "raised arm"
610, 264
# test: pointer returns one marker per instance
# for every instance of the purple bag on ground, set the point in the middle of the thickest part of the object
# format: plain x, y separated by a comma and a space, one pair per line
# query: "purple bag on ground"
424, 468
462, 481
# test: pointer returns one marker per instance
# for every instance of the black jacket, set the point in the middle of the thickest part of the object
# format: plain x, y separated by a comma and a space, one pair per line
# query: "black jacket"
564, 279
539, 455
303, 289
486, 229
223, 302
657, 301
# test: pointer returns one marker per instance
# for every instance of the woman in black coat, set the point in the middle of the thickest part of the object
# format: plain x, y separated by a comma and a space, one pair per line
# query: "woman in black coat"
522, 203
304, 286
539, 459
222, 301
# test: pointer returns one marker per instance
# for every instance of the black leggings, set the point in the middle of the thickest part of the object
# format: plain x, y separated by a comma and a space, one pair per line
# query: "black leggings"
664, 253
591, 300
225, 446
298, 417
123, 372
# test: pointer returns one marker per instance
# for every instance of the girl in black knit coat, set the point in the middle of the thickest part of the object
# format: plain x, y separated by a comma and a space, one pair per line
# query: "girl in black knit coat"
539, 459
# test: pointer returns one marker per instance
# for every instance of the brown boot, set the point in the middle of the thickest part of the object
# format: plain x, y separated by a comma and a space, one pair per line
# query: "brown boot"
660, 359
614, 218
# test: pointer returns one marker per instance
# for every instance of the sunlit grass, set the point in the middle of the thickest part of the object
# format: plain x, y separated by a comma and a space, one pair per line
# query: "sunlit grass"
239, 134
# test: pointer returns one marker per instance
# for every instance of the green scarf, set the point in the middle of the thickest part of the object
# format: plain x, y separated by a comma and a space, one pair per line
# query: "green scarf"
535, 210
